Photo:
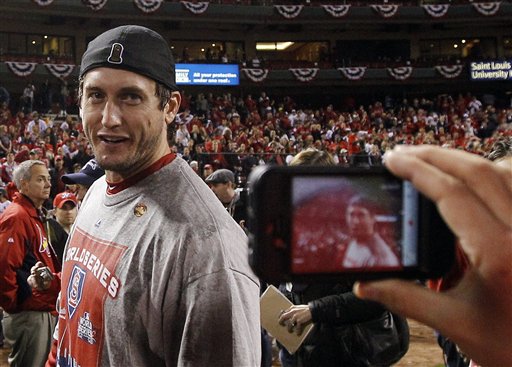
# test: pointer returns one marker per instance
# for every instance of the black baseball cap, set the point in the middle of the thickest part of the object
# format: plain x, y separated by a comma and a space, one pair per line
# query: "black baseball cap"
87, 175
133, 48
221, 176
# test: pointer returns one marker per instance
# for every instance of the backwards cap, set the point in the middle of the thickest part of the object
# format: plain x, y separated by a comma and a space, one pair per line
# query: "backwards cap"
133, 48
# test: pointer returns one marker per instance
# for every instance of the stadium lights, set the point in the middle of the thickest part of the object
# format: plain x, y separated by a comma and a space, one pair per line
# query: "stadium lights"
273, 46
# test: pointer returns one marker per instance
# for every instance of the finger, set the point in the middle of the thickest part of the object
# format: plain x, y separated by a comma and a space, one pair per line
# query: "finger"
461, 314
408, 299
496, 187
453, 199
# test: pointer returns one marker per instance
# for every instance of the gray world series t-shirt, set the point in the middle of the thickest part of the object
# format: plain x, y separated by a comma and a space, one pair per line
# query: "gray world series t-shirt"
157, 275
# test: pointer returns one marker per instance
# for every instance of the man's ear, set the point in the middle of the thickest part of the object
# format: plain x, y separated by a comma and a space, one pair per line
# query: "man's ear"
80, 113
172, 107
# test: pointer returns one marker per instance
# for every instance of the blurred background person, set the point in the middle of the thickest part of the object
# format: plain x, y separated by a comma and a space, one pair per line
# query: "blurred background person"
84, 178
65, 210
222, 183
4, 200
29, 315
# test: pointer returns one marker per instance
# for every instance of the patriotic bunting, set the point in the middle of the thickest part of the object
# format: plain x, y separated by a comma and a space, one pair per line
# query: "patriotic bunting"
337, 11
289, 11
256, 75
60, 71
21, 68
196, 8
387, 11
304, 74
400, 73
436, 11
43, 2
487, 9
148, 6
449, 71
94, 4
353, 73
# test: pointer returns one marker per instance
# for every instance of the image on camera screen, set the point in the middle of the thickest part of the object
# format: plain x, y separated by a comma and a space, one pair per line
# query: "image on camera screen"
352, 223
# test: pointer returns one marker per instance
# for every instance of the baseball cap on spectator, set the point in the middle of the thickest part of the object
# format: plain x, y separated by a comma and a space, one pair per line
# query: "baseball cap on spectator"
86, 176
221, 176
133, 48
58, 157
64, 197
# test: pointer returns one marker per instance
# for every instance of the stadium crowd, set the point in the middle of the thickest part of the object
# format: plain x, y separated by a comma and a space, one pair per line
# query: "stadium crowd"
237, 133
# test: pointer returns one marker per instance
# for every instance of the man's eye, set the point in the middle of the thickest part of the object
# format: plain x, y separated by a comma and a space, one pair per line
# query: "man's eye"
95, 96
131, 98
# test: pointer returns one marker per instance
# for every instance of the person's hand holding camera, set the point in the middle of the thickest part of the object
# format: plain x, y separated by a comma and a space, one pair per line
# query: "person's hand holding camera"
474, 196
40, 277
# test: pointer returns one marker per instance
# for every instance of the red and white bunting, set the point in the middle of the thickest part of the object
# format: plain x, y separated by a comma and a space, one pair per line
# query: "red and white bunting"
400, 73
449, 71
60, 71
487, 9
196, 8
21, 68
256, 75
337, 11
289, 11
43, 2
95, 4
148, 6
387, 11
436, 11
304, 74
353, 73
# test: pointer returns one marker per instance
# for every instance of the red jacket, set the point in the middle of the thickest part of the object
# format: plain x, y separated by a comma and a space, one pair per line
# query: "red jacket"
23, 242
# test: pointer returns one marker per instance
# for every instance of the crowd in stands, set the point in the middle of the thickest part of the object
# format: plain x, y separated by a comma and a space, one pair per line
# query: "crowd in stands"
240, 132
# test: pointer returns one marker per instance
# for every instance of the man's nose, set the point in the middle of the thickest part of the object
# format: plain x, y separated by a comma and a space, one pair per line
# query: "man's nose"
111, 116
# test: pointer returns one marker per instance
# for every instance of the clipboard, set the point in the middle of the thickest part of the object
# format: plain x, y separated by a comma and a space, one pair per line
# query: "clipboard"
272, 302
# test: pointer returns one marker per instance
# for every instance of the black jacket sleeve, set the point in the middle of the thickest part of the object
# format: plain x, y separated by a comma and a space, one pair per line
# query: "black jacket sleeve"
343, 308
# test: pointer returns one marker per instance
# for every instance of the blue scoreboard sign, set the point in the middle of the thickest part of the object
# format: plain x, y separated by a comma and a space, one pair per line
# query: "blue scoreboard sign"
207, 74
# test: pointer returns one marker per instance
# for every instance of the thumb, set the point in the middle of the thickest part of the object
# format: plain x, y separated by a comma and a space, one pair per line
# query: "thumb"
413, 300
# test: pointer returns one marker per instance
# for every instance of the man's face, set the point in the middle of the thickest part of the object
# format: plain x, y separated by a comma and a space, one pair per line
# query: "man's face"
37, 188
67, 214
360, 222
207, 172
224, 191
123, 121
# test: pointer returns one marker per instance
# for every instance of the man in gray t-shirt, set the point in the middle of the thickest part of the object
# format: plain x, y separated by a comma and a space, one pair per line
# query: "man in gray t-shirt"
155, 271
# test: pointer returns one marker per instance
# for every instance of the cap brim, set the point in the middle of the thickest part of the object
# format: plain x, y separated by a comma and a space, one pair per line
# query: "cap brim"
78, 178
64, 202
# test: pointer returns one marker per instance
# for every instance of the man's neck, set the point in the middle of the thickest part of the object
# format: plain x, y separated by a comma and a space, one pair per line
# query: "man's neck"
65, 227
38, 204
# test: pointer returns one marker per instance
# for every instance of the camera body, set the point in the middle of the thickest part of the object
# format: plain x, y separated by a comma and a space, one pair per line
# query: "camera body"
331, 223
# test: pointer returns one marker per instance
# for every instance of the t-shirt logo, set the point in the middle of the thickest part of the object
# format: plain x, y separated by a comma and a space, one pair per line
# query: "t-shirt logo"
89, 279
116, 54
75, 287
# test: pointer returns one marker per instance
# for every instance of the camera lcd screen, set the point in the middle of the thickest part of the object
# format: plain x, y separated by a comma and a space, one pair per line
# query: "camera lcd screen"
352, 223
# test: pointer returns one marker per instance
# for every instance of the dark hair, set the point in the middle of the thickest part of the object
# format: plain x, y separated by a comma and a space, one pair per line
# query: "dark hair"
161, 91
501, 149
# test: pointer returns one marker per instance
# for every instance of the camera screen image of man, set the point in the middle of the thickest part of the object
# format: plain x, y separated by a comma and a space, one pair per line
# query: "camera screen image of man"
366, 247
30, 314
155, 270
